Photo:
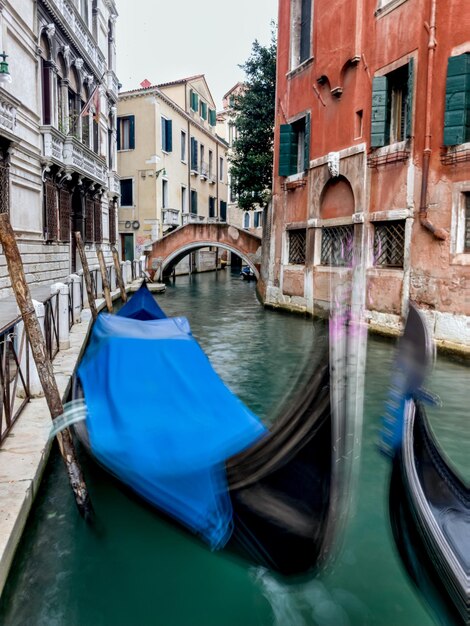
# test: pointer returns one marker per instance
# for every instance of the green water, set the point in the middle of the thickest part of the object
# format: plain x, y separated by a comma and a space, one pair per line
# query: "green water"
134, 569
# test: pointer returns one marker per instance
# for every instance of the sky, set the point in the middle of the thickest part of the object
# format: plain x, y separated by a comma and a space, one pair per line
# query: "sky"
165, 41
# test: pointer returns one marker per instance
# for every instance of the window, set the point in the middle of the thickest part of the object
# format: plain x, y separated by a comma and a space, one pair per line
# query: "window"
297, 246
51, 212
223, 211
126, 133
193, 100
127, 192
211, 164
184, 199
337, 246
221, 169
211, 206
164, 194
294, 148
193, 202
389, 243
194, 155
258, 219
392, 106
358, 124
183, 146
246, 220
203, 110
167, 135
203, 164
212, 117
457, 111
301, 31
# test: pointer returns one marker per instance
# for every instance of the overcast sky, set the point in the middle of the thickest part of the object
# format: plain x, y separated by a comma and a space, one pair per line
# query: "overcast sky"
164, 41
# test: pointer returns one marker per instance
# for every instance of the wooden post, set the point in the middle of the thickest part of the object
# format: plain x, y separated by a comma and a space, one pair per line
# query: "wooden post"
86, 275
104, 278
43, 363
120, 281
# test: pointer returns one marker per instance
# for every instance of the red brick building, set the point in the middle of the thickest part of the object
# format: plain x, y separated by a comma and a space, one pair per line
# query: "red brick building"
372, 158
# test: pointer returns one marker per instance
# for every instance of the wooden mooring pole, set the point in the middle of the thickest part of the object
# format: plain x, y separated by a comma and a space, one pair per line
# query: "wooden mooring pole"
43, 363
86, 275
104, 278
117, 266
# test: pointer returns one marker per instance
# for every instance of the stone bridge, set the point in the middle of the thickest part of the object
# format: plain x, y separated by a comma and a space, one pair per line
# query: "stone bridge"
172, 248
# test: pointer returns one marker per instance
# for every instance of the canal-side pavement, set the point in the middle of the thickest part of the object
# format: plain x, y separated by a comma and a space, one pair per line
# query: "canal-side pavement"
24, 453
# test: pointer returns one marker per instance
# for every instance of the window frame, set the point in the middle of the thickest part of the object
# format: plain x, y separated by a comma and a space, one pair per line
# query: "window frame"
184, 147
131, 136
122, 195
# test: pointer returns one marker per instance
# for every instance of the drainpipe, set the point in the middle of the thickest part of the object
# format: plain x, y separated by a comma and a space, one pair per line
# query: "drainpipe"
439, 233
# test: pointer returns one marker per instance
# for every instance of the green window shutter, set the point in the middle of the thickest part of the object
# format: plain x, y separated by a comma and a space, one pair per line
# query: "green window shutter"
169, 135
457, 111
380, 124
287, 151
204, 110
191, 99
163, 133
409, 100
212, 117
131, 132
307, 142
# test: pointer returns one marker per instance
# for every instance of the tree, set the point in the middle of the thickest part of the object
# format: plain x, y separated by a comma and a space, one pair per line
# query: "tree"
252, 156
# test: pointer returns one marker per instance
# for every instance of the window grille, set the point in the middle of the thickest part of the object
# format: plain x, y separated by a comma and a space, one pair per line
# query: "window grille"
65, 199
89, 210
98, 223
297, 246
112, 222
4, 187
389, 243
50, 193
337, 244
466, 244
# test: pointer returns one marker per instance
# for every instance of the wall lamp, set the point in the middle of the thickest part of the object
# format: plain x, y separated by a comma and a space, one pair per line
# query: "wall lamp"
5, 76
158, 172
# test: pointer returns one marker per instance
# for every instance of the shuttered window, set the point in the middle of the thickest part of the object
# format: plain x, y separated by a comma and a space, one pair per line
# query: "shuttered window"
194, 166
126, 133
212, 117
65, 200
294, 147
167, 135
112, 222
98, 221
194, 100
457, 110
392, 106
89, 215
203, 110
51, 221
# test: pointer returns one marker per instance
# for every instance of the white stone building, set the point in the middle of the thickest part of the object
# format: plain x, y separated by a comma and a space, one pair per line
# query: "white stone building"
57, 155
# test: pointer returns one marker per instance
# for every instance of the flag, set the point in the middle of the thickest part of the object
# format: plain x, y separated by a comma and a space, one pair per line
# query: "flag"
94, 100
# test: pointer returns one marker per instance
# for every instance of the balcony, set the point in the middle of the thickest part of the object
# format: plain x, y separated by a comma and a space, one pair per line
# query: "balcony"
7, 113
68, 151
204, 173
113, 84
193, 218
171, 217
114, 186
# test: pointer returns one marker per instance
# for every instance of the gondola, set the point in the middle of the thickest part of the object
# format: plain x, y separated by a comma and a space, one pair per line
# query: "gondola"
280, 499
429, 505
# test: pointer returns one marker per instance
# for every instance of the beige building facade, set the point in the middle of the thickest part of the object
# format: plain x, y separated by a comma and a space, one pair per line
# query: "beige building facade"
171, 162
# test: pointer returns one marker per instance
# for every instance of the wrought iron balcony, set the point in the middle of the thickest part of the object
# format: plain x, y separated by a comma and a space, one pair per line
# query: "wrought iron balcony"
68, 151
171, 217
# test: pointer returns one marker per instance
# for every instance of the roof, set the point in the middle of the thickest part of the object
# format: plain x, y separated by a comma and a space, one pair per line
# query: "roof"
239, 84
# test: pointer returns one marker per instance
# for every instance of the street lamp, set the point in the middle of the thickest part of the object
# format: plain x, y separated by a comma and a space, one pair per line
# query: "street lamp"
5, 77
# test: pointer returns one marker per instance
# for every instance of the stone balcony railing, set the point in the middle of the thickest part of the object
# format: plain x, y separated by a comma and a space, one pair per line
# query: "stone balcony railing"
171, 217
193, 218
68, 151
113, 84
114, 186
7, 114
77, 26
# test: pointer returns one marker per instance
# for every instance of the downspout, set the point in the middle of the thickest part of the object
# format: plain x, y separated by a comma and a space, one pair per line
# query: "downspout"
439, 233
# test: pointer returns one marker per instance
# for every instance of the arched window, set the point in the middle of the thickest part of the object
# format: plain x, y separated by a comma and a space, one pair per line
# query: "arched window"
46, 80
246, 220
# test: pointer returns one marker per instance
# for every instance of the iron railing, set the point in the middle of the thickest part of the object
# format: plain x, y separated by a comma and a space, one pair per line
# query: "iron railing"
14, 376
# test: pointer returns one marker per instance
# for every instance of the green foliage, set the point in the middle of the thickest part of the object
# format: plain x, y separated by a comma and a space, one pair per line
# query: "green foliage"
252, 158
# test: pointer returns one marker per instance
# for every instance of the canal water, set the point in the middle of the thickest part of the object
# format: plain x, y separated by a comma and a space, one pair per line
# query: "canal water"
135, 569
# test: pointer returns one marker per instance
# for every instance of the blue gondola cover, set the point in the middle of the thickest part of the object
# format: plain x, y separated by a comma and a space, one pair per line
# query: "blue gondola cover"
162, 421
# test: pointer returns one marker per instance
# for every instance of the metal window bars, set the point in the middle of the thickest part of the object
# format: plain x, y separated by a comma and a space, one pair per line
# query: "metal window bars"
297, 246
337, 245
389, 243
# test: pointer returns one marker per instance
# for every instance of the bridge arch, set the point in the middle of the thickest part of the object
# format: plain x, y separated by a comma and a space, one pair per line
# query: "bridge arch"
173, 247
